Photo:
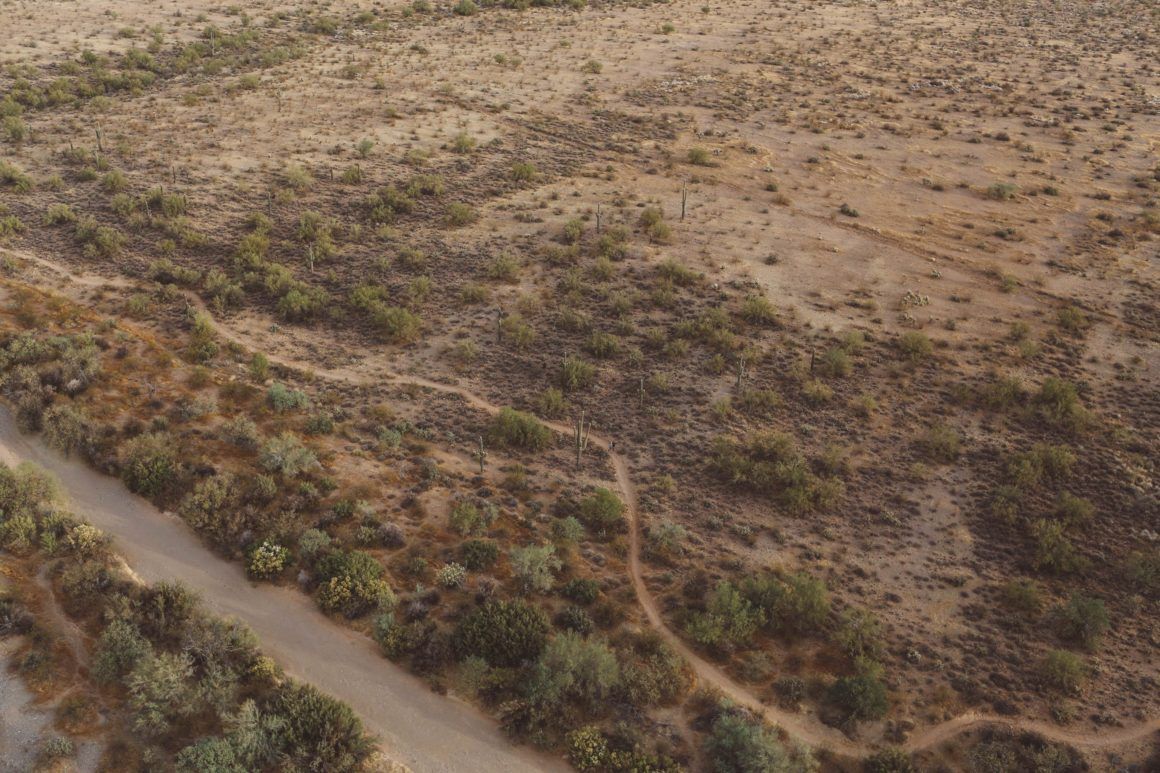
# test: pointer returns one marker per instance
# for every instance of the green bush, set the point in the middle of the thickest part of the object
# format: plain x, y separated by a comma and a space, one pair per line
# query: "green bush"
352, 583
602, 511
1054, 551
504, 633
915, 346
739, 743
319, 733
149, 463
479, 555
1063, 671
863, 695
287, 455
1083, 620
266, 560
534, 567
798, 603
1058, 403
582, 590
576, 374
516, 429
941, 443
573, 672
729, 620
281, 398
467, 518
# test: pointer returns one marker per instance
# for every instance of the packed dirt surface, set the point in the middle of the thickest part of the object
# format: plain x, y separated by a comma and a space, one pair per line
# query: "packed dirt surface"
417, 728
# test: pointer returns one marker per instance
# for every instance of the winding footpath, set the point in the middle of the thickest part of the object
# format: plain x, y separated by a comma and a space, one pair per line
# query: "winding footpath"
804, 728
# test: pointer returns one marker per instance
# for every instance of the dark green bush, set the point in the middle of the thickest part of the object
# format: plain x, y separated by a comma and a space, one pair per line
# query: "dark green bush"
504, 633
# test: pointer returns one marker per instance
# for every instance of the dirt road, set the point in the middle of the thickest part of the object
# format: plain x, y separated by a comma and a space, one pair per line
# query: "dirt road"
422, 730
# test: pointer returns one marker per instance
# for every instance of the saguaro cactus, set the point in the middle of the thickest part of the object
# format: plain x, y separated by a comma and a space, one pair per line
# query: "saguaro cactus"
581, 430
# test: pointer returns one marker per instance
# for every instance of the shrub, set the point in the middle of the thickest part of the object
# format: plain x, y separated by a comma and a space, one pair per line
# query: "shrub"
504, 268
319, 732
941, 443
798, 602
1063, 671
67, 428
478, 555
397, 324
1143, 570
588, 749
534, 567
267, 560
552, 403
863, 695
1072, 320
451, 575
816, 393
700, 157
915, 346
242, 432
281, 398
581, 590
287, 455
504, 633
313, 542
352, 583
1054, 552
1002, 191
1083, 620
573, 672
202, 346
99, 241
459, 214
516, 429
1058, 403
467, 518
757, 309
739, 743
730, 619
859, 633
835, 363
602, 345
575, 373
602, 511
149, 463
59, 214
1073, 510
118, 650
524, 172
159, 692
1024, 596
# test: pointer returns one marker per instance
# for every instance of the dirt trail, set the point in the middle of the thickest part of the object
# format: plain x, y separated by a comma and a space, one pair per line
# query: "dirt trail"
418, 728
804, 728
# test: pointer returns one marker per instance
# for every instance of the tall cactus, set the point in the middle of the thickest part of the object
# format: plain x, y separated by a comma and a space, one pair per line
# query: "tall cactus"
581, 431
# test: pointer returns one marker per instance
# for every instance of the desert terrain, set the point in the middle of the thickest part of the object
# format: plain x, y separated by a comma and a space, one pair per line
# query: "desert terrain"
630, 386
